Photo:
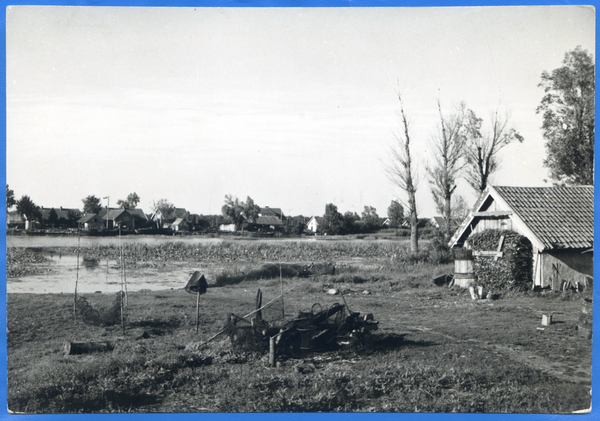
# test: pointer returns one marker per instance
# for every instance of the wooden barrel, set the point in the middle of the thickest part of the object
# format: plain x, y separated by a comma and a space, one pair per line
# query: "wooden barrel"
464, 275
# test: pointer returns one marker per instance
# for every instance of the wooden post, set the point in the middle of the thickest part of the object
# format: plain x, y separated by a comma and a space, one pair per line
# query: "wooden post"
76, 279
281, 282
123, 276
197, 310
472, 292
125, 280
272, 351
122, 316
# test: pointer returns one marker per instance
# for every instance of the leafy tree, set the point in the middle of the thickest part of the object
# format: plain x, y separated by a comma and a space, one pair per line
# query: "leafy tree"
333, 220
395, 213
130, 203
568, 110
233, 210
482, 149
370, 218
295, 225
448, 146
53, 217
10, 198
238, 212
200, 222
349, 223
402, 172
163, 206
251, 210
91, 204
27, 208
460, 208
73, 216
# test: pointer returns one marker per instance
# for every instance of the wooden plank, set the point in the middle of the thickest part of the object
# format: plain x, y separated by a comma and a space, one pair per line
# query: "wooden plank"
488, 253
500, 244
493, 213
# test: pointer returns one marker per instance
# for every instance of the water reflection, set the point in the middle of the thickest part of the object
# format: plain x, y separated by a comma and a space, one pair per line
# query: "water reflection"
59, 274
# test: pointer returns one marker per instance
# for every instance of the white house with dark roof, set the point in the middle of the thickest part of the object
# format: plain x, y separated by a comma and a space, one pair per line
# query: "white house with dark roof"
314, 223
559, 222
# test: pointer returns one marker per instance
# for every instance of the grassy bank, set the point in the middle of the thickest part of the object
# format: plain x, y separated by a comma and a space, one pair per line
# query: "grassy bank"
436, 351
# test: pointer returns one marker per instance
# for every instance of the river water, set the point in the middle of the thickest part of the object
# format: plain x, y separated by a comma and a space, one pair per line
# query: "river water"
59, 273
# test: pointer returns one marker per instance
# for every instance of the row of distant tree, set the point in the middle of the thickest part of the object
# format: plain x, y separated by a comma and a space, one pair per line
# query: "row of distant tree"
462, 149
243, 214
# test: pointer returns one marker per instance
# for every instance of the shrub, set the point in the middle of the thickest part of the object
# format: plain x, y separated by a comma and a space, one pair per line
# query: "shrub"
270, 271
438, 251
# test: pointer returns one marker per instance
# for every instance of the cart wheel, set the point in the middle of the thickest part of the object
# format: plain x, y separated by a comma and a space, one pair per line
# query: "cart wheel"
316, 308
290, 344
91, 316
253, 343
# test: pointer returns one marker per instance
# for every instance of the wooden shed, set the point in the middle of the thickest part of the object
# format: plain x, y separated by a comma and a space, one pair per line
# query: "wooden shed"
91, 221
559, 222
119, 218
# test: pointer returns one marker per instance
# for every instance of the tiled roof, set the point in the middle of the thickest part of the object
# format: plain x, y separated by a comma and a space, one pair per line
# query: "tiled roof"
87, 218
137, 212
268, 220
320, 220
267, 211
60, 212
561, 217
113, 214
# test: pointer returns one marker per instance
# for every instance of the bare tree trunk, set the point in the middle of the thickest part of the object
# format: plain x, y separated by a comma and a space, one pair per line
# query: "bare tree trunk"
402, 173
448, 215
414, 229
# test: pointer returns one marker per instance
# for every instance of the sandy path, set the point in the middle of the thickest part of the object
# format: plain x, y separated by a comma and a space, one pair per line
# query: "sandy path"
568, 370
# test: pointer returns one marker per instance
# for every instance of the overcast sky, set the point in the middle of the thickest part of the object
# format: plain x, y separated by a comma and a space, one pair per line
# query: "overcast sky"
294, 107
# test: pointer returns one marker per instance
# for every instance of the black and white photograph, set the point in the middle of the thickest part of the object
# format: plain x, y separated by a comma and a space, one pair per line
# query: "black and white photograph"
299, 209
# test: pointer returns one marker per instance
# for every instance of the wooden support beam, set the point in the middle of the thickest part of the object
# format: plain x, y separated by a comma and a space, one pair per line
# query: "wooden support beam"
488, 253
497, 213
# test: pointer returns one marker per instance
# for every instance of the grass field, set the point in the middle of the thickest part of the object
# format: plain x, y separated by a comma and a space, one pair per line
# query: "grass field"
436, 350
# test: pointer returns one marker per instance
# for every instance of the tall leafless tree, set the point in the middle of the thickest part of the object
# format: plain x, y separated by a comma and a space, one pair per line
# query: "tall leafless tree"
448, 145
482, 149
402, 172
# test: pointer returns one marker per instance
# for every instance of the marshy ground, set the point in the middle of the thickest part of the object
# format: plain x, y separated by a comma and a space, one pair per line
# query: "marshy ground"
436, 349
